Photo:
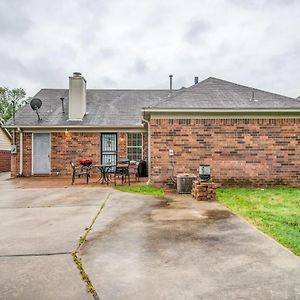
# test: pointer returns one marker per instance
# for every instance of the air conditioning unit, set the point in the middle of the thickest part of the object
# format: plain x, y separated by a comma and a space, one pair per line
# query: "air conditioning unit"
184, 183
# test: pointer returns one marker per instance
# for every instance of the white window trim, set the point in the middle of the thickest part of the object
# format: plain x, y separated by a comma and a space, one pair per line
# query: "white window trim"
142, 146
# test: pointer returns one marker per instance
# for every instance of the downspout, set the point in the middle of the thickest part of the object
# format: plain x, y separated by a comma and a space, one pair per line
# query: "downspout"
149, 149
21, 153
13, 137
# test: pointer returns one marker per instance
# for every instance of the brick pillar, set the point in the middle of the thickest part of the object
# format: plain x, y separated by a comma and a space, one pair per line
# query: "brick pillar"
145, 145
122, 151
13, 165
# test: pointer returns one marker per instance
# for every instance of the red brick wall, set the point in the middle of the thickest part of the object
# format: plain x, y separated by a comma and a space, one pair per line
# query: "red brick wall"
65, 148
72, 147
15, 158
145, 146
4, 160
27, 155
240, 151
122, 151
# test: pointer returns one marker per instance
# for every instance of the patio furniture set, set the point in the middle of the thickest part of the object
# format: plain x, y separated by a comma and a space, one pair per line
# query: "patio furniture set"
122, 169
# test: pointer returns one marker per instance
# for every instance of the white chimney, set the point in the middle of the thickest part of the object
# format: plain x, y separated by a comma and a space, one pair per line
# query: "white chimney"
77, 96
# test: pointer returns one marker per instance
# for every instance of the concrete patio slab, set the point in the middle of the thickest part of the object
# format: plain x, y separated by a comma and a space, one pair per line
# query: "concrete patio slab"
39, 229
143, 248
36, 278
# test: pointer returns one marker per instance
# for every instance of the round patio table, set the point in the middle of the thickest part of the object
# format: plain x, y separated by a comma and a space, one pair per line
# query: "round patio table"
104, 173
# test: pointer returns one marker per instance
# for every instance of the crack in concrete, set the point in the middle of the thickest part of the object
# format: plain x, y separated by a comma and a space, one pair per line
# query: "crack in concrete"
78, 261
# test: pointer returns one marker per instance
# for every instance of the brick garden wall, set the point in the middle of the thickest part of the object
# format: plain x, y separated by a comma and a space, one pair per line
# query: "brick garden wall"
4, 160
240, 151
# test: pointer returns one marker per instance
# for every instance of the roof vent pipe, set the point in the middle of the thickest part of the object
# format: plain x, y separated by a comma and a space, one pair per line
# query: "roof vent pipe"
196, 80
253, 97
171, 84
62, 105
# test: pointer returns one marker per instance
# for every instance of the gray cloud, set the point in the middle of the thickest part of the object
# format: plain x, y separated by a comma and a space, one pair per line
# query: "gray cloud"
139, 67
196, 31
137, 44
12, 21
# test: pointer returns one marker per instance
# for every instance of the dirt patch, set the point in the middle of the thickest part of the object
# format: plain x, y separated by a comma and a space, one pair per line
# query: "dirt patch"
163, 203
217, 214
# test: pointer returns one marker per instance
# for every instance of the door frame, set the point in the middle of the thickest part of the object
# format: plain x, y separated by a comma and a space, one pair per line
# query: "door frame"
101, 142
32, 152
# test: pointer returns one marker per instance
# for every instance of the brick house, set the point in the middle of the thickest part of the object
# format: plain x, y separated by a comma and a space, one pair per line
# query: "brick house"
248, 136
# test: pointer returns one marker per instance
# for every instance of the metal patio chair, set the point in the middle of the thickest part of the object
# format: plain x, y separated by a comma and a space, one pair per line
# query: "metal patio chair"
79, 171
122, 170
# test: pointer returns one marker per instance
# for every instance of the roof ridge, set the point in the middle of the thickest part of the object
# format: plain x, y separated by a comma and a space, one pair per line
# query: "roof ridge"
53, 89
169, 97
180, 91
249, 87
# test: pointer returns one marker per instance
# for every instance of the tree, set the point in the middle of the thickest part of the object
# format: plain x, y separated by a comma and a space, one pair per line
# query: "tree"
9, 98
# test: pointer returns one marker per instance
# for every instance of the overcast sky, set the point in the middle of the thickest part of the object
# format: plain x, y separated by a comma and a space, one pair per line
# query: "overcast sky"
137, 44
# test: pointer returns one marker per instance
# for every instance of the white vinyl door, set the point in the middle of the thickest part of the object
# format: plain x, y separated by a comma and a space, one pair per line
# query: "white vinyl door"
41, 153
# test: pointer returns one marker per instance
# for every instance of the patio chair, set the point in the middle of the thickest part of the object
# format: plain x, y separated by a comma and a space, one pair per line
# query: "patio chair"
79, 171
122, 169
133, 169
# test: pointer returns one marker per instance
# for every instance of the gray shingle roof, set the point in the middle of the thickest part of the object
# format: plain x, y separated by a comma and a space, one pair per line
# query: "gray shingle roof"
105, 108
122, 108
220, 94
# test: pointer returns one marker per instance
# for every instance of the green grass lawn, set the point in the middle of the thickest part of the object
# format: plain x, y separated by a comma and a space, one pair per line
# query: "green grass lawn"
276, 211
141, 189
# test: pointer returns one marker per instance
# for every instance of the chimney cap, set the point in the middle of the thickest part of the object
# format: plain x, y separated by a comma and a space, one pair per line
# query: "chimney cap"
170, 75
76, 74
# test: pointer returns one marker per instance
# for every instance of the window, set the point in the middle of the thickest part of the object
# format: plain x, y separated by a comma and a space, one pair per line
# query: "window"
134, 146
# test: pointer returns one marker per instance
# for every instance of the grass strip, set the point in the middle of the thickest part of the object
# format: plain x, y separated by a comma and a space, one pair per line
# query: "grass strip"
82, 240
141, 189
275, 211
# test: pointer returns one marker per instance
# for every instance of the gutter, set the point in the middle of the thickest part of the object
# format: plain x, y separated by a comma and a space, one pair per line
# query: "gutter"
220, 110
73, 126
149, 149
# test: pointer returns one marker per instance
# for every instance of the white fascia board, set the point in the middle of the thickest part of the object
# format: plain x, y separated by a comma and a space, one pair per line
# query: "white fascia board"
78, 127
220, 110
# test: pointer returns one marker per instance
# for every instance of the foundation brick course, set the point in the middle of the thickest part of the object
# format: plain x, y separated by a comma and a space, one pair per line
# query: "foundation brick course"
249, 152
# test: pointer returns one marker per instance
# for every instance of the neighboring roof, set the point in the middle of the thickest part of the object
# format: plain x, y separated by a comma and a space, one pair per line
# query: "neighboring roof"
105, 108
213, 93
4, 129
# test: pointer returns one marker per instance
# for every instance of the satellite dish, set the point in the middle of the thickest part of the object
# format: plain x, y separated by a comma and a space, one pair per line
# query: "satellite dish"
36, 104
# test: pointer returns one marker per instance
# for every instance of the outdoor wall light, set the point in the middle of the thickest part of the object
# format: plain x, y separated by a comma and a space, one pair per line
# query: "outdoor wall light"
205, 172
67, 134
122, 139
